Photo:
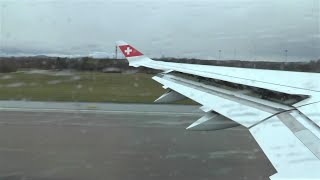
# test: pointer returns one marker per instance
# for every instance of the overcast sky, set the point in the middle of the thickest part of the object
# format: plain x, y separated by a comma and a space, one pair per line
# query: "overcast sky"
241, 29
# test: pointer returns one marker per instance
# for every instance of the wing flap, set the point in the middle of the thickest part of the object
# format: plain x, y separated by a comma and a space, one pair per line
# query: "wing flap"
307, 171
246, 113
280, 145
312, 111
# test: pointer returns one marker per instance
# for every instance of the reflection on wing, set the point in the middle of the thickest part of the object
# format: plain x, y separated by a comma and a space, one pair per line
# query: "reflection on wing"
279, 108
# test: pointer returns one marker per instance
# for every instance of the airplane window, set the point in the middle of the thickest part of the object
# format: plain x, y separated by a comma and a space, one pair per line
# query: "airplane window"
175, 89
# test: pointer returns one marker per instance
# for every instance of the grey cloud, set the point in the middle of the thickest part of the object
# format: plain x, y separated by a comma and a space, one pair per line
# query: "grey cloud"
255, 29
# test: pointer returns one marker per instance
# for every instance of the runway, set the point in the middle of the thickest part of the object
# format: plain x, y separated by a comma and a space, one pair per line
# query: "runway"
72, 141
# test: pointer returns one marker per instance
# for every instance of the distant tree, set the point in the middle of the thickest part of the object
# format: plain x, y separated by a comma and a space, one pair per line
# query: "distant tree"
7, 66
61, 63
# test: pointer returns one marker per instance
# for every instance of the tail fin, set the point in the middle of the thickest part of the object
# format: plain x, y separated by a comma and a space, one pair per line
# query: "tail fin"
135, 57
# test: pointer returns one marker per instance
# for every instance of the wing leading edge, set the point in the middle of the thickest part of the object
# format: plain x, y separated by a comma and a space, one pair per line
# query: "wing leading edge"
287, 130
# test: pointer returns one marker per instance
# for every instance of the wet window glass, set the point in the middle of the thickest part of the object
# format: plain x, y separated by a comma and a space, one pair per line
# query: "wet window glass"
175, 89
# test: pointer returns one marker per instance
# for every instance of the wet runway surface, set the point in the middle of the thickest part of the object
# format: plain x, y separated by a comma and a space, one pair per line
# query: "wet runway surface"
131, 144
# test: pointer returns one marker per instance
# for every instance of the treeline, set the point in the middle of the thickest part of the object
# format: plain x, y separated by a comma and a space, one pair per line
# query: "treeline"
12, 64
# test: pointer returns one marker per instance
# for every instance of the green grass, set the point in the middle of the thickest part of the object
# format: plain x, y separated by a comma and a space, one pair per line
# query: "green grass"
81, 86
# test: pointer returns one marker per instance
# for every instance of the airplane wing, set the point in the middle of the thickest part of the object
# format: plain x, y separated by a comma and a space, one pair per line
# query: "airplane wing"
279, 108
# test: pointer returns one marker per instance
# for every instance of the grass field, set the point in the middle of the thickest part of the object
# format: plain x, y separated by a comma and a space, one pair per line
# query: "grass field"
79, 86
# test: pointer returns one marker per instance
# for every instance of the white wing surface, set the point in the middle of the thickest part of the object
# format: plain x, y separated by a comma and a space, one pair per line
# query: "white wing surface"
279, 108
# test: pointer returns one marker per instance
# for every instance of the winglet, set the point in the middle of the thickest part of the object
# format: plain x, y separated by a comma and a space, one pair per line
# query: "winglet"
135, 57
127, 50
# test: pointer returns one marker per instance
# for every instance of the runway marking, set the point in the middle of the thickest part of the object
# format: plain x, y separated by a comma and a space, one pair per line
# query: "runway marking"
99, 111
12, 149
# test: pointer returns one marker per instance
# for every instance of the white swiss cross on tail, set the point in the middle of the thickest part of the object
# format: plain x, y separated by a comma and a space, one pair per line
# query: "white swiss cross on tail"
127, 50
